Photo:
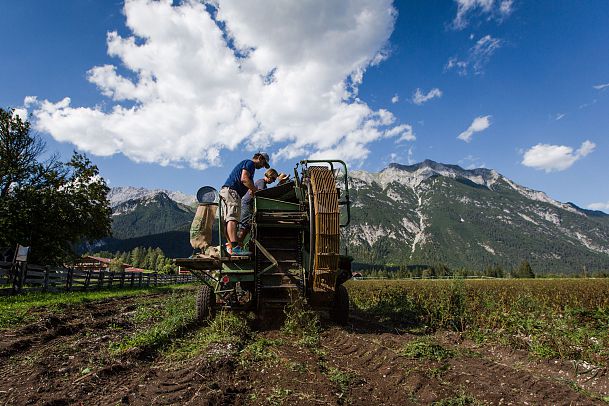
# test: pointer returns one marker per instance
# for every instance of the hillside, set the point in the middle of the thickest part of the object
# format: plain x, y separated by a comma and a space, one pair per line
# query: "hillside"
149, 218
430, 212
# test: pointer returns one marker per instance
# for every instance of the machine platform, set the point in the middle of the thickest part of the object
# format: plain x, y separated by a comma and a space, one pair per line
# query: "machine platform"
210, 263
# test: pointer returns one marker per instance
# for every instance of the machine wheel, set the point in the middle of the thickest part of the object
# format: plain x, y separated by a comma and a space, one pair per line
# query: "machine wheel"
340, 311
205, 304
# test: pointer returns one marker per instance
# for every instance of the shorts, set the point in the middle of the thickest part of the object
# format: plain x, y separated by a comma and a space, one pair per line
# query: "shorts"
231, 204
246, 216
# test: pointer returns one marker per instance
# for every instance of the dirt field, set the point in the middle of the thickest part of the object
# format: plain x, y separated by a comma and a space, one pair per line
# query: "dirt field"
65, 357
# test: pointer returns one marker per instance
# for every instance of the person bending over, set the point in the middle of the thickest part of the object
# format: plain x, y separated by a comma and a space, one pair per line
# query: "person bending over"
238, 183
247, 202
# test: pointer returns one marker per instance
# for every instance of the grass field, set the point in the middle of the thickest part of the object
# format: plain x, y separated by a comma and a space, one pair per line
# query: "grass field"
18, 309
559, 318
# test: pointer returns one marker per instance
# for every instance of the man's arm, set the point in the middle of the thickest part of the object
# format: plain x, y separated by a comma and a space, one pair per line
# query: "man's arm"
247, 181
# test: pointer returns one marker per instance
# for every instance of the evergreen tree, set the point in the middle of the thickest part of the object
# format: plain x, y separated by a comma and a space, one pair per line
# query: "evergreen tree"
524, 270
494, 271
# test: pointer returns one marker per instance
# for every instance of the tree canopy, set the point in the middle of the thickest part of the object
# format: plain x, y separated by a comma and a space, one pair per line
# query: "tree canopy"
48, 205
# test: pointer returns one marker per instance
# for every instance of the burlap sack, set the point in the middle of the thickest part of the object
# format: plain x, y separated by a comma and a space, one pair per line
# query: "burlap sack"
200, 230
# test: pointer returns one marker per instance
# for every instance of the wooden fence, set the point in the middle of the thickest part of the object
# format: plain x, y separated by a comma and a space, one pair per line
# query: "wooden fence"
21, 276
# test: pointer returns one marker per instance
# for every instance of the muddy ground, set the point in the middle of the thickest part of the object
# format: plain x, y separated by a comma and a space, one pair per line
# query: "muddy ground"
64, 358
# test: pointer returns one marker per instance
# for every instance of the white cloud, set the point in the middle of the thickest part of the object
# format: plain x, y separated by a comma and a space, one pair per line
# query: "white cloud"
411, 159
559, 116
506, 7
479, 124
395, 99
29, 100
419, 98
601, 86
403, 132
586, 105
471, 162
491, 9
478, 56
251, 75
454, 63
21, 113
599, 206
552, 158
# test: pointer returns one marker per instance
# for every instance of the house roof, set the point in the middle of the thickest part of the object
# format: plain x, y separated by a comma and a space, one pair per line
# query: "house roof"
105, 261
134, 269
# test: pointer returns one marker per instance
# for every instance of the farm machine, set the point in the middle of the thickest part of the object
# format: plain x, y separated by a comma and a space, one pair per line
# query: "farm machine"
295, 245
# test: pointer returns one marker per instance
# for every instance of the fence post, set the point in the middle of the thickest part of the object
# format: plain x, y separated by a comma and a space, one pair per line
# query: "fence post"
22, 275
88, 279
132, 279
110, 279
156, 279
122, 278
69, 279
141, 277
100, 279
46, 278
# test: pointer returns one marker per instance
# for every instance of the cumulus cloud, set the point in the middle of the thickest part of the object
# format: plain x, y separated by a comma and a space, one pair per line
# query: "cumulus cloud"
21, 113
551, 158
403, 132
601, 86
599, 206
491, 9
193, 80
395, 99
477, 58
479, 124
419, 97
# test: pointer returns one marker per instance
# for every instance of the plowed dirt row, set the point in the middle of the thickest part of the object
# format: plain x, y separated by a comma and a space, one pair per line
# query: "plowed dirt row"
64, 359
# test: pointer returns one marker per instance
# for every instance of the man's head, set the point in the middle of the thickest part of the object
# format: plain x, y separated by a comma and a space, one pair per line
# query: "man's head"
270, 175
261, 159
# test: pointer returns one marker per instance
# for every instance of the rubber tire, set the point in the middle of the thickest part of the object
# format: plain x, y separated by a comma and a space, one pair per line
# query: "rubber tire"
205, 304
340, 311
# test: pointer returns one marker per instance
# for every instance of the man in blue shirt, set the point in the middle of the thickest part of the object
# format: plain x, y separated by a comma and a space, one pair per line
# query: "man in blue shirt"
247, 202
238, 183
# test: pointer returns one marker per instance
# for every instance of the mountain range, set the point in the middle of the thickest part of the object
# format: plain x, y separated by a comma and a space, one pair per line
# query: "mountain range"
423, 214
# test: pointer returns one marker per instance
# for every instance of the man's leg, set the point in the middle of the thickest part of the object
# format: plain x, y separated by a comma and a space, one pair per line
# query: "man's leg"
242, 234
231, 214
231, 230
246, 218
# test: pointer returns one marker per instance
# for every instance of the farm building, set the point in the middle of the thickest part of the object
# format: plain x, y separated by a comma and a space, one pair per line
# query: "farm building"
96, 264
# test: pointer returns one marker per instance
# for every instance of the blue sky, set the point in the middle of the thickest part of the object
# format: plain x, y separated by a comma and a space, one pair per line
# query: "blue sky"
182, 92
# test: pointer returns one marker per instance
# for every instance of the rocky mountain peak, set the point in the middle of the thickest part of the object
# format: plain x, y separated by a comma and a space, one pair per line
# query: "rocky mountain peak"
413, 175
123, 194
